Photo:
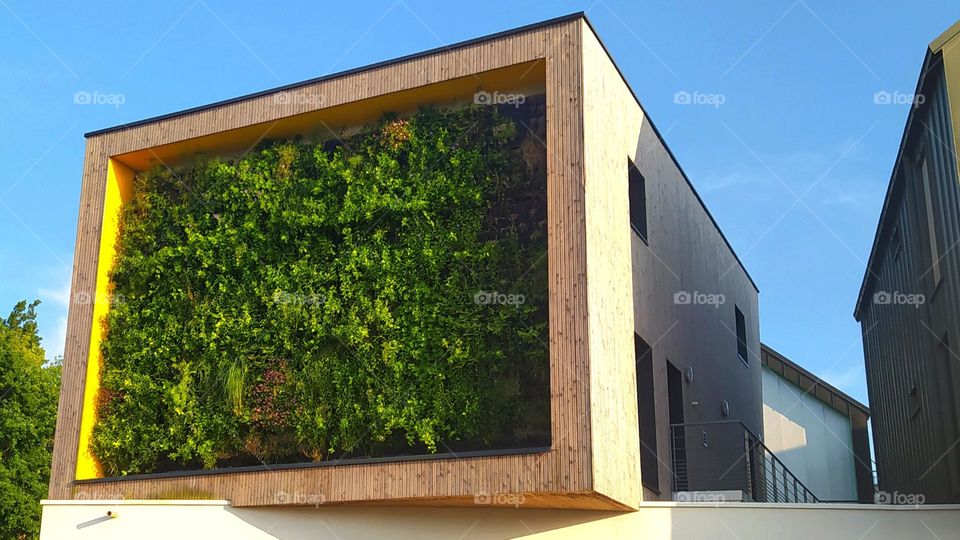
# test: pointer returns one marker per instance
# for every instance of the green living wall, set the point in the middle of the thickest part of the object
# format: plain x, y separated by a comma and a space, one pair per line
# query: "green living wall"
381, 295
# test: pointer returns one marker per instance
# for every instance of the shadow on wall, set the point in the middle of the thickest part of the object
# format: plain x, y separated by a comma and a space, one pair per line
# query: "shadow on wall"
810, 438
781, 433
343, 522
654, 521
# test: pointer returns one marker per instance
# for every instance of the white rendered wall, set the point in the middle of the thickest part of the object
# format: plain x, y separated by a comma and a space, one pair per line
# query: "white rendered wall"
184, 520
812, 439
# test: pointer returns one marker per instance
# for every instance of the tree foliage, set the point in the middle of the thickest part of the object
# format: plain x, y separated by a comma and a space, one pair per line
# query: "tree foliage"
28, 411
310, 301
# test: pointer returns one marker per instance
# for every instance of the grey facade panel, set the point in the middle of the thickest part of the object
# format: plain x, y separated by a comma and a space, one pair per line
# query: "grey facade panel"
684, 265
909, 318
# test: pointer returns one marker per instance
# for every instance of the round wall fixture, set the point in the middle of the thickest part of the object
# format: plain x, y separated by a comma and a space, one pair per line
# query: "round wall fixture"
725, 407
689, 374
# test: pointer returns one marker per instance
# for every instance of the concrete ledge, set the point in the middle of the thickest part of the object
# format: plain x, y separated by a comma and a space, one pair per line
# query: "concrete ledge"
135, 502
153, 519
800, 506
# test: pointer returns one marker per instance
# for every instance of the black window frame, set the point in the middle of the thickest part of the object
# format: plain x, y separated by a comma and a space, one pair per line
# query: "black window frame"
637, 199
646, 415
743, 351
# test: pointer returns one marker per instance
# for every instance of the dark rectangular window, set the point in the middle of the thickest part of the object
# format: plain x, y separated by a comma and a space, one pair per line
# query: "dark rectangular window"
646, 414
931, 222
914, 401
638, 200
946, 374
741, 336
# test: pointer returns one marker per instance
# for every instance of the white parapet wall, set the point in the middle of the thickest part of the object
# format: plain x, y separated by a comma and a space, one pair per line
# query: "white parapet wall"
187, 520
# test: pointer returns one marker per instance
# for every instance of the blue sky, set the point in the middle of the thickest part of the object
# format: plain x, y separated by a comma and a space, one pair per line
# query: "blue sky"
793, 163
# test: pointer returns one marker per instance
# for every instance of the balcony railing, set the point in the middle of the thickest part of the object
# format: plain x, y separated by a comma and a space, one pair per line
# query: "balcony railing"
727, 456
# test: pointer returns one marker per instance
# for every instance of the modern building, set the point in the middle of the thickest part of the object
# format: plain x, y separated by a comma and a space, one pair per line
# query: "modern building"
624, 232
819, 432
909, 303
628, 364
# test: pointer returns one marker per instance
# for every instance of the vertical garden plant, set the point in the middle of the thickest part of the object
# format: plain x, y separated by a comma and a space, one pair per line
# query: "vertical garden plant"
380, 295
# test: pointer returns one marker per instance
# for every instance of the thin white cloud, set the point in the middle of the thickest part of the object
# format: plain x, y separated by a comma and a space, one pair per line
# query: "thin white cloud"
853, 199
59, 295
850, 379
54, 344
736, 179
55, 303
822, 176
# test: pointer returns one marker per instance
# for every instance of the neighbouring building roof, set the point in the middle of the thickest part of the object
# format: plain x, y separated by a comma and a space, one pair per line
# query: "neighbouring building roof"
809, 383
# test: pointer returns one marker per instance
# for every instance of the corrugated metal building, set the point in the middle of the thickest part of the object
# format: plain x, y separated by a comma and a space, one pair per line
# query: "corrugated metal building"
909, 303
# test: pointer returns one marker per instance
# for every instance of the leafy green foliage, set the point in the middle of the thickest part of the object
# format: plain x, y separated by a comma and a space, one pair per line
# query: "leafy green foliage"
28, 412
314, 301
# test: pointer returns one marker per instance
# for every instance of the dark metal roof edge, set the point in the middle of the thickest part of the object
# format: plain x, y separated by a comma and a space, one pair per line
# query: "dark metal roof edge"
673, 157
925, 68
817, 380
351, 71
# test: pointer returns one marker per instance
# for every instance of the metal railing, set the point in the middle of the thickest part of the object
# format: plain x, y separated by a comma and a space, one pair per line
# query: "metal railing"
727, 456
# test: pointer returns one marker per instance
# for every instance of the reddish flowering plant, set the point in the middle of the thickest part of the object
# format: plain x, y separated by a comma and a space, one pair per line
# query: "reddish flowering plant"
271, 404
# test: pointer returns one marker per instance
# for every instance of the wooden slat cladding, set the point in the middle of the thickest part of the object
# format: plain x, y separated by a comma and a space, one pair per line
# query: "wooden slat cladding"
633, 282
79, 320
610, 116
560, 477
913, 376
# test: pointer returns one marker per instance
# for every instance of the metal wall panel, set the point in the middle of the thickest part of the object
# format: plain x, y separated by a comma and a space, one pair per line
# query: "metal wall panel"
911, 342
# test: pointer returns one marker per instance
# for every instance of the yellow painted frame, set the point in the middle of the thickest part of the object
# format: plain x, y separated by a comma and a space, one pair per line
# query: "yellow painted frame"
119, 191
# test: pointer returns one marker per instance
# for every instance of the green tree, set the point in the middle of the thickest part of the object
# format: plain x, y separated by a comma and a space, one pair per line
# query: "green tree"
28, 409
